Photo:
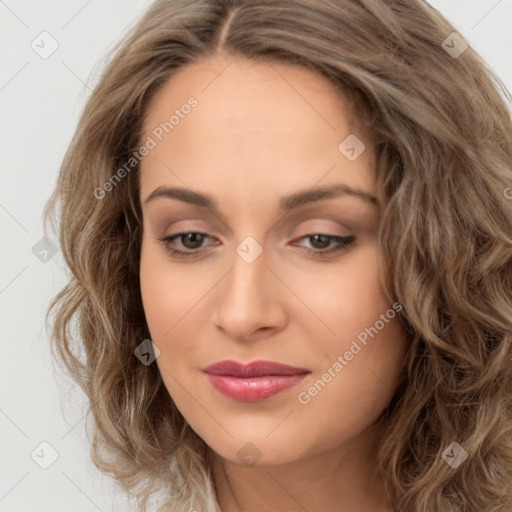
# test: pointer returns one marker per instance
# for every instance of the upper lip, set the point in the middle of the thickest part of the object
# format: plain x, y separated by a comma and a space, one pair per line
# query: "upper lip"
253, 369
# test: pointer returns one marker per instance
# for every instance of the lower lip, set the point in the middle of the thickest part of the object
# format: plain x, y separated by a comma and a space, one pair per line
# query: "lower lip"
253, 389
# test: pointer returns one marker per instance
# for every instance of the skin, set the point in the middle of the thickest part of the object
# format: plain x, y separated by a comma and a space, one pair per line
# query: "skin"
258, 133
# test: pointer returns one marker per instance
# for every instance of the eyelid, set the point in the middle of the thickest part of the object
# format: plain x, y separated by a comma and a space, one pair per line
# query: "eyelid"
299, 233
331, 228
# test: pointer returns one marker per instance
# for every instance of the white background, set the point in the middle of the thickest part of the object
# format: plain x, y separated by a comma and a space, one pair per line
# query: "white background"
40, 102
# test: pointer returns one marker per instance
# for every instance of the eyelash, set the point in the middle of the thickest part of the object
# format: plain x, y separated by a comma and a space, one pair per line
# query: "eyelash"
344, 241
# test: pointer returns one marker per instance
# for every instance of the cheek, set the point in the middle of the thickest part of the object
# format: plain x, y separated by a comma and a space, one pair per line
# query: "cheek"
345, 299
367, 334
166, 295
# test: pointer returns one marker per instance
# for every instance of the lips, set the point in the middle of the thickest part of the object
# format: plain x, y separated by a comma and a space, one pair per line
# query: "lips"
254, 369
256, 381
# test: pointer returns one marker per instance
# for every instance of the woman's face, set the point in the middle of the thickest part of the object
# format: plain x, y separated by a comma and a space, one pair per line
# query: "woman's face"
265, 278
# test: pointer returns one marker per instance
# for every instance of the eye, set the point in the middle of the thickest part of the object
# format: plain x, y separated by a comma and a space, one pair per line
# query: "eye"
321, 241
190, 240
194, 240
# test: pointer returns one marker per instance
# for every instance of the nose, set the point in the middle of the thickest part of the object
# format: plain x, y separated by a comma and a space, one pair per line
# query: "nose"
250, 301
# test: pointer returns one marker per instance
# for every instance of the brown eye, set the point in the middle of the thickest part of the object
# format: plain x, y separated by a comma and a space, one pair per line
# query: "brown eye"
319, 242
192, 241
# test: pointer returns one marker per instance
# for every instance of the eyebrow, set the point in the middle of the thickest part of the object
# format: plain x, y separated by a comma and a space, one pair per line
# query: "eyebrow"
286, 203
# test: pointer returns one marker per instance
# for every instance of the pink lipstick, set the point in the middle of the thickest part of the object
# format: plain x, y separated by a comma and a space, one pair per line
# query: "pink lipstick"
253, 382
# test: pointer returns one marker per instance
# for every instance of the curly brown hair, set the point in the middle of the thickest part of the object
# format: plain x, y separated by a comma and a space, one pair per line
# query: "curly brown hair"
442, 134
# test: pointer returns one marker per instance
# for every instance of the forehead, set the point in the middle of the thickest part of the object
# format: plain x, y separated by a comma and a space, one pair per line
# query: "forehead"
276, 123
232, 80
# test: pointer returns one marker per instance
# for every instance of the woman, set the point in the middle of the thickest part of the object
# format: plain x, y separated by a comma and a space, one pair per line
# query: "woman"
290, 236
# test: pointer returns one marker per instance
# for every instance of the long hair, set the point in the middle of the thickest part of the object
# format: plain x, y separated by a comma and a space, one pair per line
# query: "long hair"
442, 134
